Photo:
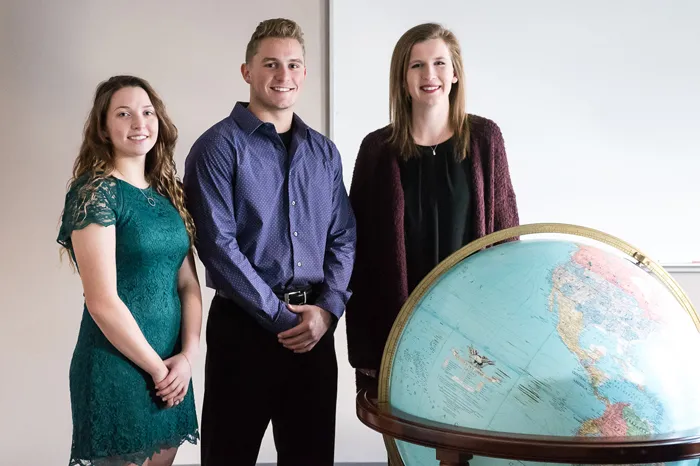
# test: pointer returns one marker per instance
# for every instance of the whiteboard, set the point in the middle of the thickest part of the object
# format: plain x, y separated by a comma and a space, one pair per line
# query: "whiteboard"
598, 102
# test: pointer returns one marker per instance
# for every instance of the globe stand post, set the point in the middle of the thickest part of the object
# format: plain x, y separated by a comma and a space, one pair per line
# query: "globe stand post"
453, 458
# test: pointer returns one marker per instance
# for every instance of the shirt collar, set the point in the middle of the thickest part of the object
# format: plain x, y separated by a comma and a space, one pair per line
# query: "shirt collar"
249, 122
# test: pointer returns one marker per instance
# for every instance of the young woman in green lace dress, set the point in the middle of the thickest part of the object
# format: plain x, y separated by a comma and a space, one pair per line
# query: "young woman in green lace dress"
126, 229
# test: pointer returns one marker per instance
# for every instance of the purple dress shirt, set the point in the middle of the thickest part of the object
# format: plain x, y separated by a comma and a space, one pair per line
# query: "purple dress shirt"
268, 219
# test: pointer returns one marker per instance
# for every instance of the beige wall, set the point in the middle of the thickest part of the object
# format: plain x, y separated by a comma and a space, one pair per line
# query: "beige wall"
52, 55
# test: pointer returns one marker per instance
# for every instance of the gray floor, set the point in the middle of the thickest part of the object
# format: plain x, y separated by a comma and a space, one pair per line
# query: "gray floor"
336, 464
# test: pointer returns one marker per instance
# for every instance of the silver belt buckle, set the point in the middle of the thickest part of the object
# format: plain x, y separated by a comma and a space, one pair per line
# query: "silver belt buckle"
287, 295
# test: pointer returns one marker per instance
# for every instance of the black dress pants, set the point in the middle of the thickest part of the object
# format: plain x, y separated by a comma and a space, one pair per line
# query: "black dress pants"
252, 380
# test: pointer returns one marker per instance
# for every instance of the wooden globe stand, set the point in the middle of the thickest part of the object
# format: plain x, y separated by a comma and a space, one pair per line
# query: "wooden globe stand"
456, 446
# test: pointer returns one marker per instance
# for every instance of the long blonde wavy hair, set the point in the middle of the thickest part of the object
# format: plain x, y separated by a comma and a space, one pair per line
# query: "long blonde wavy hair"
400, 107
95, 159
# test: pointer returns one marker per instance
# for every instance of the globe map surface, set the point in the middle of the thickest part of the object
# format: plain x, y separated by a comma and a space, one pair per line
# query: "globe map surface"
549, 337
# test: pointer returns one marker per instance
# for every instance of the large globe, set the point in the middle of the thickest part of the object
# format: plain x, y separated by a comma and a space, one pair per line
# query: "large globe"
548, 336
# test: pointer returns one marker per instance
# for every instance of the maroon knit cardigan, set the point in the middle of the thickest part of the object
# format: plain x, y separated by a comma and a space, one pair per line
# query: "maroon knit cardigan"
379, 283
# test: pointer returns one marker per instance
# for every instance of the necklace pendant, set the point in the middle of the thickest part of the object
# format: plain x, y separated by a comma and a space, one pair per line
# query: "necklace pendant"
151, 201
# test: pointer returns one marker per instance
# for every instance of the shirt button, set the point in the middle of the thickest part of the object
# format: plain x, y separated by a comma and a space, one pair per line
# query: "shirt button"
299, 264
294, 202
296, 234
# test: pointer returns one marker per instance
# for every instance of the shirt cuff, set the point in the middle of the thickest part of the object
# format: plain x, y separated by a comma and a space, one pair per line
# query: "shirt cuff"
331, 302
284, 320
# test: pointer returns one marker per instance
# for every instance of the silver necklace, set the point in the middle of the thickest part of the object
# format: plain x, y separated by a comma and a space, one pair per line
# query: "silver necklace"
149, 199
434, 147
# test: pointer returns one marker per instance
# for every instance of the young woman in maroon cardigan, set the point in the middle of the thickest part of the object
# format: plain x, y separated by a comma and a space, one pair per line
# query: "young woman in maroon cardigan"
433, 180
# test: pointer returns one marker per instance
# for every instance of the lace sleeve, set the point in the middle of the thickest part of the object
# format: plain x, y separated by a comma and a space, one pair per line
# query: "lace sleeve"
86, 203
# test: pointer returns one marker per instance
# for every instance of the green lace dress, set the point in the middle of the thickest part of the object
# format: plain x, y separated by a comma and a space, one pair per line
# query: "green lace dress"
116, 416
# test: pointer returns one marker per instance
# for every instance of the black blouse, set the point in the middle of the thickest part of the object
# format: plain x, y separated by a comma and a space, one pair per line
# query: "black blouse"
437, 207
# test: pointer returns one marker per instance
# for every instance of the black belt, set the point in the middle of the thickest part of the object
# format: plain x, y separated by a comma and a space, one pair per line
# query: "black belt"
296, 298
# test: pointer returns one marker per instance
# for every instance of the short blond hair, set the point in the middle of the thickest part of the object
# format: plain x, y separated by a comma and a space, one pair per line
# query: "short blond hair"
279, 28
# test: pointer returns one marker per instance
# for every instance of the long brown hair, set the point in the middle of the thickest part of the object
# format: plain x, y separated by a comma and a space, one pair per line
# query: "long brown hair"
95, 159
400, 108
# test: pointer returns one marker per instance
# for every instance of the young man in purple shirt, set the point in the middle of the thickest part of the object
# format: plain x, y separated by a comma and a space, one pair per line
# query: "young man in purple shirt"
276, 234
